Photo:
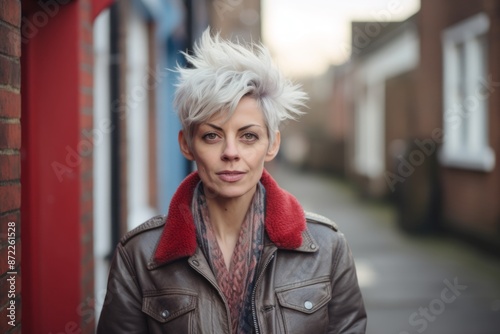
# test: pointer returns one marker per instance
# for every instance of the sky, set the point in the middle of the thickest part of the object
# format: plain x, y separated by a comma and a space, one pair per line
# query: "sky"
307, 36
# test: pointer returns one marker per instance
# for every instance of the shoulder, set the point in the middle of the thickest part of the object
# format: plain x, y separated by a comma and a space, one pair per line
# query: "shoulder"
327, 236
324, 231
153, 224
315, 218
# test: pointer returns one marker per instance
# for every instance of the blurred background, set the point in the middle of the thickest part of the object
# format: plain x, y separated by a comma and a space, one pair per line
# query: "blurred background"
398, 147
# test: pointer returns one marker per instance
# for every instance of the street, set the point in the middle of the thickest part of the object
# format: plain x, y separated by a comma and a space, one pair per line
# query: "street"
427, 284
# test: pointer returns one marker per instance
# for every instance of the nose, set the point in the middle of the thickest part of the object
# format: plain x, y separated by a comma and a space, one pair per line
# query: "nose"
230, 151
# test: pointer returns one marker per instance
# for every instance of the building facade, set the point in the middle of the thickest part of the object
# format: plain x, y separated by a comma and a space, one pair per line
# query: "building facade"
384, 56
458, 103
422, 97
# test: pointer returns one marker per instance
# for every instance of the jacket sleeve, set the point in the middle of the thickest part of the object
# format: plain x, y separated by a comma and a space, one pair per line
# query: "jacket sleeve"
346, 310
121, 312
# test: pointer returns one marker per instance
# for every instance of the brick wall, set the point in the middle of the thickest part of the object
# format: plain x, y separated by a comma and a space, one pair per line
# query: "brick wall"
10, 170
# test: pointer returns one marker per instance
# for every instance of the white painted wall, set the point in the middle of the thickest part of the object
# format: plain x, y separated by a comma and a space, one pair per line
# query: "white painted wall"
396, 57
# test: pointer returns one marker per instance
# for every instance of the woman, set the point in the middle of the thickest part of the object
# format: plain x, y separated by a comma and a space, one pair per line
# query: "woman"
236, 253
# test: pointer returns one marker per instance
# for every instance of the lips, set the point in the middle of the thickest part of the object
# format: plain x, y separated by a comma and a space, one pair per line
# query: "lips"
231, 176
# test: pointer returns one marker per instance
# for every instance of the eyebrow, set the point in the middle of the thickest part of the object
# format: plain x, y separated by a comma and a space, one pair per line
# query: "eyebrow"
243, 128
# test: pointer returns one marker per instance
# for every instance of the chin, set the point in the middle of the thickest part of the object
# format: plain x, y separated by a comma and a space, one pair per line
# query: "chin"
233, 191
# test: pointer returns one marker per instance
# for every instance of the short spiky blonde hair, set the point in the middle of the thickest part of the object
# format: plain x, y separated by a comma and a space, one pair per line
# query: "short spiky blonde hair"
222, 73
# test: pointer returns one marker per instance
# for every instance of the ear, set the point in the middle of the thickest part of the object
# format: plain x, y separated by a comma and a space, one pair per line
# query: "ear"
274, 148
183, 144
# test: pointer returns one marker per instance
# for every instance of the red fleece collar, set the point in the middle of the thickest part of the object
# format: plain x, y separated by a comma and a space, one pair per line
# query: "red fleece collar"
284, 222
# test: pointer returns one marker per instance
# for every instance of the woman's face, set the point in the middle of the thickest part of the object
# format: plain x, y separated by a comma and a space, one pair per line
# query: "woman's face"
230, 153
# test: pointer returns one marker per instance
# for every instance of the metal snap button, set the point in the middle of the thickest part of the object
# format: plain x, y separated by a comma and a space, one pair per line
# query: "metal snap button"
196, 263
308, 305
312, 246
165, 314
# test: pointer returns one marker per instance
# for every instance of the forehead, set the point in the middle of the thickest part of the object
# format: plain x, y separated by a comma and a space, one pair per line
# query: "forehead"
248, 110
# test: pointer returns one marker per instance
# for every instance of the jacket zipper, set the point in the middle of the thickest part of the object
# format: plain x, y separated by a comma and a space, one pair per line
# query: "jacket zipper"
254, 308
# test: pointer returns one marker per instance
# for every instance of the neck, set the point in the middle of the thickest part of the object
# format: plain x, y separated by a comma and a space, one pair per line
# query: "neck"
227, 214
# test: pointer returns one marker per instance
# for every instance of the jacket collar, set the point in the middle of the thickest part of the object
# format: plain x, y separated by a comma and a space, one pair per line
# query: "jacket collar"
284, 221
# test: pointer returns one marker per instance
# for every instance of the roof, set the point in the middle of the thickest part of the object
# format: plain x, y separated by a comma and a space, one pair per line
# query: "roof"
368, 36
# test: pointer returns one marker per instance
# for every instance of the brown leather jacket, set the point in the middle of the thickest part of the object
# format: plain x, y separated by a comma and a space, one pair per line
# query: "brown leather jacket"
160, 281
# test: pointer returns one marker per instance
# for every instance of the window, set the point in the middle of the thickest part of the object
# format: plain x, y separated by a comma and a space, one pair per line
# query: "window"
466, 93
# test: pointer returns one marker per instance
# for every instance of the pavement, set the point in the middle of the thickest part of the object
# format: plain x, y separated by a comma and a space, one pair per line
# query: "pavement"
410, 284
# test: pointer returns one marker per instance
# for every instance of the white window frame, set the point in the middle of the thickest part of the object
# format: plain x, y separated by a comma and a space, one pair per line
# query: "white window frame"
102, 153
466, 95
137, 103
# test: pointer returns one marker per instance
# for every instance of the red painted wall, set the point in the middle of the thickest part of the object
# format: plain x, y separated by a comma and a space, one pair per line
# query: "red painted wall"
57, 168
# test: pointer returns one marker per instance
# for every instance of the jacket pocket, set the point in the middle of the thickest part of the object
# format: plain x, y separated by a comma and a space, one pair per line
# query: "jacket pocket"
171, 308
304, 307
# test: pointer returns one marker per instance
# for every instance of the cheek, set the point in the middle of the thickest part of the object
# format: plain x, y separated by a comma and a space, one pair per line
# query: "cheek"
206, 160
256, 154
202, 155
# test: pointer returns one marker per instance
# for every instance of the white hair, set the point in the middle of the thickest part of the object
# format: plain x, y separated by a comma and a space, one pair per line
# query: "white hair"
222, 73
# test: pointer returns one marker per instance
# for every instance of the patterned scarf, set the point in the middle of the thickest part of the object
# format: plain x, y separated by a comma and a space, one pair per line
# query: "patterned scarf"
236, 283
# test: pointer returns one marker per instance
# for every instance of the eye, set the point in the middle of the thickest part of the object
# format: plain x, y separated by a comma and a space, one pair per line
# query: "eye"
249, 137
210, 137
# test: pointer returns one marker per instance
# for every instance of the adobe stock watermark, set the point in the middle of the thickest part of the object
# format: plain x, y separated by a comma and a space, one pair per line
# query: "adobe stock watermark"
86, 310
95, 137
453, 117
362, 38
407, 166
420, 319
83, 149
30, 28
